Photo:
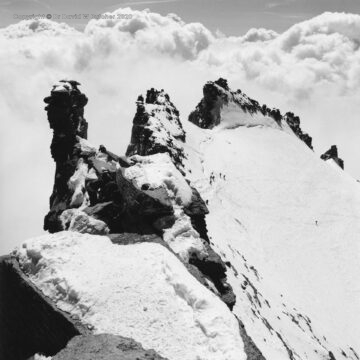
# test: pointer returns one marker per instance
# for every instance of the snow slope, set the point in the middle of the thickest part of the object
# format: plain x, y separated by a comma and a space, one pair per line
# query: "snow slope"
289, 224
140, 291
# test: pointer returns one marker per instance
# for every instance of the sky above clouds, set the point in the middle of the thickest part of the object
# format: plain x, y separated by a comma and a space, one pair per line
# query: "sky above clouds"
232, 17
310, 67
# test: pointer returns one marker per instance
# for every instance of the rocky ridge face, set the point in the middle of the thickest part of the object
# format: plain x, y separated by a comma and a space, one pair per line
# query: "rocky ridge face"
157, 128
105, 347
217, 95
102, 193
65, 108
30, 322
88, 189
332, 154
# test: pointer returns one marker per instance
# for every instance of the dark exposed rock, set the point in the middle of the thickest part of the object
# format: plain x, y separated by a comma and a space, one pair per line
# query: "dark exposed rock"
251, 350
29, 322
197, 210
207, 112
65, 112
124, 208
217, 94
108, 195
134, 238
214, 269
105, 347
332, 153
150, 133
294, 123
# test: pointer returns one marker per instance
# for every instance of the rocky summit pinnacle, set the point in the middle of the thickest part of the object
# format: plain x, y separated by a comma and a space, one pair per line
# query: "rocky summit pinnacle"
157, 128
65, 112
218, 97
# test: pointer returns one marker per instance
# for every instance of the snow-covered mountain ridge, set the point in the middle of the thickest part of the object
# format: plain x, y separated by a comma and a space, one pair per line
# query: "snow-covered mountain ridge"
219, 236
221, 106
277, 212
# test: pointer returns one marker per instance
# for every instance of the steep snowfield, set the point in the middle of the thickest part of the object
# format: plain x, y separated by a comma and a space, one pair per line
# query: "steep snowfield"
140, 291
289, 224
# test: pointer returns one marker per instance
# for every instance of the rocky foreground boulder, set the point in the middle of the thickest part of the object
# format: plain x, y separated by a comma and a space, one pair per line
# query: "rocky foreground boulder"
30, 322
105, 347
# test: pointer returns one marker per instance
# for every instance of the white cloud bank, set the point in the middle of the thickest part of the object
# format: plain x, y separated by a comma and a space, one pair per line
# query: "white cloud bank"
312, 69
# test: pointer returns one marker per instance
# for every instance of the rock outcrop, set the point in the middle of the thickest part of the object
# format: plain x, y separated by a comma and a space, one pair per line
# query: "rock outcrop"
157, 128
294, 122
65, 109
217, 95
105, 347
90, 194
30, 322
101, 193
332, 154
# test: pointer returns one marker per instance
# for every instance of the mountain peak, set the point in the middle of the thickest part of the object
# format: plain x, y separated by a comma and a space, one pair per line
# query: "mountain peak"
157, 127
221, 105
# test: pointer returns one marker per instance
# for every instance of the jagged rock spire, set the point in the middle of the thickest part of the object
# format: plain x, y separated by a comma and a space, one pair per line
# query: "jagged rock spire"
65, 111
157, 128
332, 153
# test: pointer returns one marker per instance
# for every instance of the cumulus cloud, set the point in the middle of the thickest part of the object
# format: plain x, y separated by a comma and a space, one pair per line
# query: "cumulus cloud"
323, 51
312, 69
166, 34
254, 35
36, 26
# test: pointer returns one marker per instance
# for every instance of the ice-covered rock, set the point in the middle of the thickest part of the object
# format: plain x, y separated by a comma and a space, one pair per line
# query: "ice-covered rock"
77, 220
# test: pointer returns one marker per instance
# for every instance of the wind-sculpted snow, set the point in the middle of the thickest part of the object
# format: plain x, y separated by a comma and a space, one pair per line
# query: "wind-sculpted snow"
140, 291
